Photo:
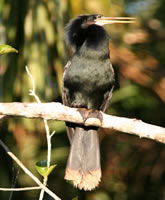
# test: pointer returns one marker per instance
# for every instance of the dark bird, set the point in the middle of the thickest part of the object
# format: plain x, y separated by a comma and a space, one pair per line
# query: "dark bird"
88, 83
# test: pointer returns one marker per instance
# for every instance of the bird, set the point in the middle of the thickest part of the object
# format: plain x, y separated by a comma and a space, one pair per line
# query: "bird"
88, 82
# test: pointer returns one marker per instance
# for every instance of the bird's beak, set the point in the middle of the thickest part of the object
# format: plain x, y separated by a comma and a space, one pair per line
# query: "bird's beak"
114, 20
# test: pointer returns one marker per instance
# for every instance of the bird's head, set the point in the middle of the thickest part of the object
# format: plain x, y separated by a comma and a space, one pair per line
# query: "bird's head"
75, 31
101, 20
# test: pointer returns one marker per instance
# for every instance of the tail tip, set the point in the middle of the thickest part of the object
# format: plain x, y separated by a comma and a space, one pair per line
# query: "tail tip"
86, 181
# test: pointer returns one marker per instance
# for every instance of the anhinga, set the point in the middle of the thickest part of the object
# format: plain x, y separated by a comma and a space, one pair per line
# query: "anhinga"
88, 83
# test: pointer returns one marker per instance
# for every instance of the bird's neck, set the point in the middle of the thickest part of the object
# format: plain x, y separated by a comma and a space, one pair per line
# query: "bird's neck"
96, 43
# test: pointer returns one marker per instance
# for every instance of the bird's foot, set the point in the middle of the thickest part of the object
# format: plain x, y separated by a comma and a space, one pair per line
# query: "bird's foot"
86, 114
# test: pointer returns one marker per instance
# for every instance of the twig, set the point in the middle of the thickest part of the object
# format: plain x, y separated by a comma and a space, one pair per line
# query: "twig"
32, 92
28, 172
57, 111
52, 134
14, 181
48, 135
20, 189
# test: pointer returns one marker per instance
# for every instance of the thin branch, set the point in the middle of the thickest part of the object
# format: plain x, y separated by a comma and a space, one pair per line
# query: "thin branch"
20, 189
48, 136
52, 134
28, 172
57, 111
14, 181
32, 92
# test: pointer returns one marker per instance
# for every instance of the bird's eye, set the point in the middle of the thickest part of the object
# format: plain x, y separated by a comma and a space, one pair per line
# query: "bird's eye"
90, 18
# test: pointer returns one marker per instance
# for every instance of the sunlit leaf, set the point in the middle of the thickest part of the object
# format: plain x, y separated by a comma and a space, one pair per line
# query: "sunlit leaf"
43, 170
41, 167
7, 49
50, 169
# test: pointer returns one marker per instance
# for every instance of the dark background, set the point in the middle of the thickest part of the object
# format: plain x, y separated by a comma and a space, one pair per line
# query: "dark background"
133, 168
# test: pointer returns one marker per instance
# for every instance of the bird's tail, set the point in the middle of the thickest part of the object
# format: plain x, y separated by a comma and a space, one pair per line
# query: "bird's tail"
83, 166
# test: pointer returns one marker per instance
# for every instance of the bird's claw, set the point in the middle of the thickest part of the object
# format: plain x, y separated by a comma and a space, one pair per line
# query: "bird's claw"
86, 114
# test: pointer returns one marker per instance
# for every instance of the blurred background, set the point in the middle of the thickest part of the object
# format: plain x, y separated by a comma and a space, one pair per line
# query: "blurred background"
133, 168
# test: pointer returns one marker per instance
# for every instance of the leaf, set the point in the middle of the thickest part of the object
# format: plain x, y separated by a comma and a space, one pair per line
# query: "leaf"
7, 49
41, 167
50, 169
43, 170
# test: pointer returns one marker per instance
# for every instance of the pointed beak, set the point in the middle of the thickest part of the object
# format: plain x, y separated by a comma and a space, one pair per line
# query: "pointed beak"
114, 20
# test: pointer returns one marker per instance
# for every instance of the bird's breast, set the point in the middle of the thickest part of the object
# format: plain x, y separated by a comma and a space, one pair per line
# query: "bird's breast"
87, 82
88, 74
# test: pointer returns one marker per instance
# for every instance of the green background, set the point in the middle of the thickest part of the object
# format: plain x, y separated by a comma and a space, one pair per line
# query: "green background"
133, 168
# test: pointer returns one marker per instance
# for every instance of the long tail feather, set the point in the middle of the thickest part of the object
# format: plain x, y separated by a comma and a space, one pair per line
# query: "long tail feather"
83, 166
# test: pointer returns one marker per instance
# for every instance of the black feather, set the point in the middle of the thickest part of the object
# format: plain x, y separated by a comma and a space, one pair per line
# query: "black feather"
88, 83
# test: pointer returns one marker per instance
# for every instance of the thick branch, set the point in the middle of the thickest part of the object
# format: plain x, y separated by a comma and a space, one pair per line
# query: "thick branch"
57, 111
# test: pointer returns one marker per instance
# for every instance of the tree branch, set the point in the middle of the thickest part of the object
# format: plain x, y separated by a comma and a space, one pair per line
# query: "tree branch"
57, 111
48, 135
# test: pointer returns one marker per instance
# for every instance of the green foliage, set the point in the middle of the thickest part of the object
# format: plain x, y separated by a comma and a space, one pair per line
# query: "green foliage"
43, 170
7, 49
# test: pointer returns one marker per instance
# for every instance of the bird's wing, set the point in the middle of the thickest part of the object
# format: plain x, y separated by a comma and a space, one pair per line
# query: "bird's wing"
109, 94
64, 91
69, 128
107, 101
